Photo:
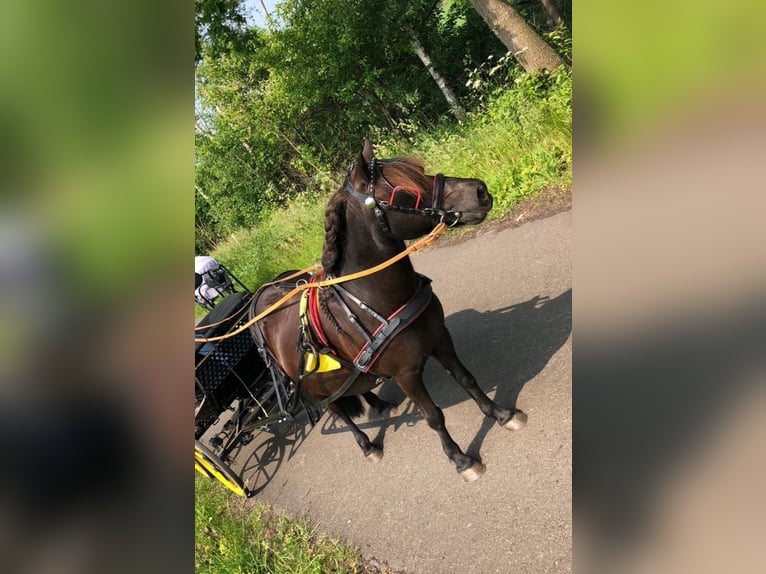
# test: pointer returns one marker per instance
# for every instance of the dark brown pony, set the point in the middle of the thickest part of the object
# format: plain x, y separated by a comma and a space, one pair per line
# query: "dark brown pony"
366, 224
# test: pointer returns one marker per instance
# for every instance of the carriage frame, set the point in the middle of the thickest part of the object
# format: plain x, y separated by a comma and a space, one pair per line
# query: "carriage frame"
238, 392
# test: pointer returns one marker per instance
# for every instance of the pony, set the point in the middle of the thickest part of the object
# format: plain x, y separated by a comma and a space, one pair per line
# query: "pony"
383, 326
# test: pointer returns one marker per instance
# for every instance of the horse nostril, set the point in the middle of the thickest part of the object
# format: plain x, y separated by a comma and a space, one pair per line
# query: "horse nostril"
482, 195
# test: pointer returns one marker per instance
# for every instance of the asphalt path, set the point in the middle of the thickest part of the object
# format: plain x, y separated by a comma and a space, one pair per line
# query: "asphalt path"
507, 296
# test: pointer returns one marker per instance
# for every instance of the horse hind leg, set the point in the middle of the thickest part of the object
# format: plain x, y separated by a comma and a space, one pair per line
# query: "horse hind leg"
469, 468
510, 419
382, 408
346, 408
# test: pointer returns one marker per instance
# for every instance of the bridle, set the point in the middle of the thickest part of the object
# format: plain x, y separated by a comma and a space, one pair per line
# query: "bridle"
379, 207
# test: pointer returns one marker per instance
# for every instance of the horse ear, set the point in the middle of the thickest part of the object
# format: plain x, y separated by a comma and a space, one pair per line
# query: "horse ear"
360, 174
367, 152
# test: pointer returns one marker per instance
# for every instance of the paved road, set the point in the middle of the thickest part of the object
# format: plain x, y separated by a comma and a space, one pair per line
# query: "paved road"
507, 296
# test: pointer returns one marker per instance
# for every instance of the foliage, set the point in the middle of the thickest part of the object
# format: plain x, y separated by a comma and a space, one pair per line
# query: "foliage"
231, 536
278, 109
291, 238
561, 41
519, 142
217, 23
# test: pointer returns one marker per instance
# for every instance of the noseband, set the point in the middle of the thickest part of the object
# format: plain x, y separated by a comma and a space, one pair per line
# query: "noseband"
435, 212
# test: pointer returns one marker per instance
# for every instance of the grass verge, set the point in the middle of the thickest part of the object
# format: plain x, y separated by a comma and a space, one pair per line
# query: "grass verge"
290, 239
232, 536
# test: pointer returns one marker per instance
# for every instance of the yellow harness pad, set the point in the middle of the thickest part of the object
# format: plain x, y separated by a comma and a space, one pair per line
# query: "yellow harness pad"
326, 362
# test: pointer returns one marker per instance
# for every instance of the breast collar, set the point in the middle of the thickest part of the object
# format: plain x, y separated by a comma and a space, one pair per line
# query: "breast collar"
377, 341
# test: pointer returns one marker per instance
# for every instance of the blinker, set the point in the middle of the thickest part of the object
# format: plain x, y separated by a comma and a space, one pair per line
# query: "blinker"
402, 198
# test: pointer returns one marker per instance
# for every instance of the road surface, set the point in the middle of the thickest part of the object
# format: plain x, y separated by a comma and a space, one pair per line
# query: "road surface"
507, 298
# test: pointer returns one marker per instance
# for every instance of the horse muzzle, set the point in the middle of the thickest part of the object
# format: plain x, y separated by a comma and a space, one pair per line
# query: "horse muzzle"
467, 202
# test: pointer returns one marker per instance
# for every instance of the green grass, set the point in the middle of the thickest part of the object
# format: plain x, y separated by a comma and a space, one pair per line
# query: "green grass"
233, 536
290, 238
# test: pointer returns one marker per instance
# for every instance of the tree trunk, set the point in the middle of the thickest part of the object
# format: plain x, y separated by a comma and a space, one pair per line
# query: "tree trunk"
554, 16
527, 46
454, 104
267, 17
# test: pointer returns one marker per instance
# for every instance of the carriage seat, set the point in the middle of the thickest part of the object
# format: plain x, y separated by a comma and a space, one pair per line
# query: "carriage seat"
224, 369
230, 306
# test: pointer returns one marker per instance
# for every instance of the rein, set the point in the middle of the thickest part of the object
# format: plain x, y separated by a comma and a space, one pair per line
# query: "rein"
429, 239
312, 267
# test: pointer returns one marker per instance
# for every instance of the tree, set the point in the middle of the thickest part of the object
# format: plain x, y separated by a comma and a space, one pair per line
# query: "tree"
454, 104
527, 46
217, 23
554, 16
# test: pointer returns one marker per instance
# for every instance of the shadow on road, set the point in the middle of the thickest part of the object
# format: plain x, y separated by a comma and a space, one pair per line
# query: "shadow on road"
271, 450
504, 349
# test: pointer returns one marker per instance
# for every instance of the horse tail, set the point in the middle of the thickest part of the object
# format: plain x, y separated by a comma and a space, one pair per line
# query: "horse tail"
351, 406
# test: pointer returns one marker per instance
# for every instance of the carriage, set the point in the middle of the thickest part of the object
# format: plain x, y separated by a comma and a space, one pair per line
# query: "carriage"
236, 393
365, 317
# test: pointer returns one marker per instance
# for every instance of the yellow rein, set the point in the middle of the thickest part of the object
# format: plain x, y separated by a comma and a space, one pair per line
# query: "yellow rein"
429, 239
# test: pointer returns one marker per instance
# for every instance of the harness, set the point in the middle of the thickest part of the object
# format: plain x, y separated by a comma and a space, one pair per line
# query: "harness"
316, 354
379, 207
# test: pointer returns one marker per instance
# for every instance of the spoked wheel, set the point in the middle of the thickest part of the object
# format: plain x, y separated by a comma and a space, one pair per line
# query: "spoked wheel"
209, 464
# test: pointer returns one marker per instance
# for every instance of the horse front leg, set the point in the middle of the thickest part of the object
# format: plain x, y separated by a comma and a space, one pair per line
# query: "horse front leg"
511, 419
412, 385
340, 408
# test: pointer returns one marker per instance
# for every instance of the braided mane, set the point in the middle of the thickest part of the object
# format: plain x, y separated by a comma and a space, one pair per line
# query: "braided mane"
406, 172
334, 223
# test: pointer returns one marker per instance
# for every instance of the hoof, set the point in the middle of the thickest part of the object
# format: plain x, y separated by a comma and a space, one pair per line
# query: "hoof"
473, 472
375, 455
516, 422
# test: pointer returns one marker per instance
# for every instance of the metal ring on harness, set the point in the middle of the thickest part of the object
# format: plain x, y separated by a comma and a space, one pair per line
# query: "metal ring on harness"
457, 215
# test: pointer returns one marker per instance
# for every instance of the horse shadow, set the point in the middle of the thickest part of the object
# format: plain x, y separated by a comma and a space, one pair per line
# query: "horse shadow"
504, 349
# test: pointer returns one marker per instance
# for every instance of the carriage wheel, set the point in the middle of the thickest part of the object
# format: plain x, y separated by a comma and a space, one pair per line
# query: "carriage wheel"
210, 465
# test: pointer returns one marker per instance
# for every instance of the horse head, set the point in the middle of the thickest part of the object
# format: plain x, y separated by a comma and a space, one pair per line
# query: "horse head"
407, 202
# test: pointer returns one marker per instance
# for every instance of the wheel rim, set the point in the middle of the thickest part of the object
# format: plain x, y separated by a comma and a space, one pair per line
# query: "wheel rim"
208, 464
